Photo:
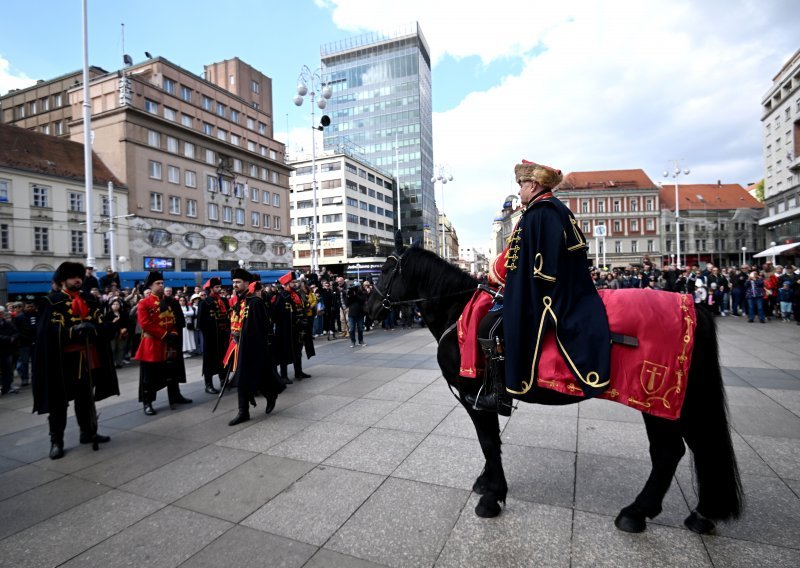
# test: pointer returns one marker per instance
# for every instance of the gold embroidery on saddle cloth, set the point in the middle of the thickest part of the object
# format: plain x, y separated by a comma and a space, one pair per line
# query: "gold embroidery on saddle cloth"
592, 378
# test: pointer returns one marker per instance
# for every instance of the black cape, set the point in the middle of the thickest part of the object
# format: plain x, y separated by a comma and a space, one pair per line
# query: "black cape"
215, 325
549, 286
255, 369
55, 371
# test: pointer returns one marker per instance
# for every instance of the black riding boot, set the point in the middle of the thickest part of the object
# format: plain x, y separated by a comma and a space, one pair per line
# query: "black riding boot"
244, 409
493, 397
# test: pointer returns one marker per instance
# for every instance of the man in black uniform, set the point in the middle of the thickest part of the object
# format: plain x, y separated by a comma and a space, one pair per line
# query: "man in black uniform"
250, 354
73, 359
288, 315
214, 322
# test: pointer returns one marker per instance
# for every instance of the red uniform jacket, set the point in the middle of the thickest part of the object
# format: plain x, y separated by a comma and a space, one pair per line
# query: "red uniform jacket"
155, 324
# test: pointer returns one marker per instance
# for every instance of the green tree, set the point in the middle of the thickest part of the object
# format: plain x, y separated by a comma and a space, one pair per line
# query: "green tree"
760, 191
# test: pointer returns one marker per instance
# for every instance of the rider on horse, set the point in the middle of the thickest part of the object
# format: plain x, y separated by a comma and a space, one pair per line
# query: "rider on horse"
548, 289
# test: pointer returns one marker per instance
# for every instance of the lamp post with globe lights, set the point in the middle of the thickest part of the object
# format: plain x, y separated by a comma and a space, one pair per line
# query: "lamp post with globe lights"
676, 172
309, 83
443, 175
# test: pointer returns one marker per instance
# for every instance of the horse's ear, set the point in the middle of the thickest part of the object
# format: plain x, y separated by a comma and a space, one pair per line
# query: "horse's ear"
398, 241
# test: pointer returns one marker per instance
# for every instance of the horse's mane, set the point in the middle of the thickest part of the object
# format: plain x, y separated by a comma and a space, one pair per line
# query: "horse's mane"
440, 277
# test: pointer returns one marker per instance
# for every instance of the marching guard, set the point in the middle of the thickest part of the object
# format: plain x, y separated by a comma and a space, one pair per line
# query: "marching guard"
214, 322
249, 355
160, 354
73, 359
289, 315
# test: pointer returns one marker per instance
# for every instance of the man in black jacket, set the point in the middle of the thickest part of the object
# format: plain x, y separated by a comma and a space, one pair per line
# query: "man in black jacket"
213, 321
9, 340
25, 322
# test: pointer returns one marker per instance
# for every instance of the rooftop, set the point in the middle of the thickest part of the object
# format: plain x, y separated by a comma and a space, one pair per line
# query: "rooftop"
607, 179
709, 196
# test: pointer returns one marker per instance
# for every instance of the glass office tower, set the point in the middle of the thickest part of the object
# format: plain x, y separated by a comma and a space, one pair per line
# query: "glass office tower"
381, 106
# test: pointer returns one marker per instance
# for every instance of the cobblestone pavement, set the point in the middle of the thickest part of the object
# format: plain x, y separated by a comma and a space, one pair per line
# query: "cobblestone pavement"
370, 463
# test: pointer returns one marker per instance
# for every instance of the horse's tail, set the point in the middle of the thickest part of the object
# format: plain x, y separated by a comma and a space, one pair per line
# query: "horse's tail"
705, 425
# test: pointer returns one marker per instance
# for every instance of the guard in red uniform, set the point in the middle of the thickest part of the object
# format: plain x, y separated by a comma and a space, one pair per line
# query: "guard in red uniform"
160, 354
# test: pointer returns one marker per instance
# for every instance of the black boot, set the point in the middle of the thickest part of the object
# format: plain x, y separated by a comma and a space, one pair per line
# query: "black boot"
271, 400
149, 410
493, 397
87, 438
210, 385
242, 416
56, 449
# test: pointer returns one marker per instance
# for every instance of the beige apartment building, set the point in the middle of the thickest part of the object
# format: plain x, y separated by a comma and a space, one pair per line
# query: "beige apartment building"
355, 214
43, 203
207, 183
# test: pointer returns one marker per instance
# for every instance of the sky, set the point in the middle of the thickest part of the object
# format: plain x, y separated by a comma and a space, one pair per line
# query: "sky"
577, 84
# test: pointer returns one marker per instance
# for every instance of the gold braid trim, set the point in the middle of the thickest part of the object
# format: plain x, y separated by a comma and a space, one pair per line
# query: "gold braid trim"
538, 261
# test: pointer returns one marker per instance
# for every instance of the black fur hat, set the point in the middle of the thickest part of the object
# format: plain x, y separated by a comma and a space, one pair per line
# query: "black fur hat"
213, 281
68, 270
241, 274
153, 277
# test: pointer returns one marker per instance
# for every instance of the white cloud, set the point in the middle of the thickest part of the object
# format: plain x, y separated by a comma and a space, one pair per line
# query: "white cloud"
10, 79
613, 85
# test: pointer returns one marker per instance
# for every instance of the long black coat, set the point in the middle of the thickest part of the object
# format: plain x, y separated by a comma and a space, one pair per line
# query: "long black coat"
287, 333
56, 371
214, 323
255, 369
548, 286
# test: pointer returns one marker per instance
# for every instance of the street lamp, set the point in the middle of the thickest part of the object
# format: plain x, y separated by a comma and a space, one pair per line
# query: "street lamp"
313, 79
676, 172
443, 175
744, 255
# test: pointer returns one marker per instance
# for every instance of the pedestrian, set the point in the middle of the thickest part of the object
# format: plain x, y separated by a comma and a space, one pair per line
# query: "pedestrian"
90, 281
213, 319
189, 346
72, 360
288, 315
355, 313
159, 353
9, 340
249, 355
117, 319
25, 322
754, 296
785, 298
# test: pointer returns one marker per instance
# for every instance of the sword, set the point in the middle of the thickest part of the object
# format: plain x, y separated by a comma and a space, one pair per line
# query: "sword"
222, 388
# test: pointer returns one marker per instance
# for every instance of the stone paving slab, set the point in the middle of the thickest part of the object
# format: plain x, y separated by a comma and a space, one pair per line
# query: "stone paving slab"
317, 442
376, 450
732, 553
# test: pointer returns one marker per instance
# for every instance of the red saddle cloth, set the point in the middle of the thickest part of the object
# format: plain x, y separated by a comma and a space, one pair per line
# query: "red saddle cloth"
650, 377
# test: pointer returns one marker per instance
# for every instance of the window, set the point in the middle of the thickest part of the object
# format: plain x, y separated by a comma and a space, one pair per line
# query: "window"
226, 187
5, 190
273, 155
105, 210
190, 178
207, 103
151, 106
46, 129
239, 216
276, 201
634, 204
41, 196
156, 201
57, 101
237, 165
634, 246
235, 116
227, 214
41, 239
171, 114
186, 93
45, 104
276, 223
174, 205
155, 169
601, 206
254, 197
75, 201
222, 134
266, 221
668, 245
173, 174
254, 86
252, 147
234, 140
210, 157
617, 246
584, 206
265, 198
648, 205
172, 145
211, 183
153, 139
262, 128
337, 218
651, 225
617, 227
208, 128
169, 86
634, 224
238, 190
255, 218
187, 120
5, 237
213, 212
191, 208
650, 247
220, 109
76, 242
274, 177
58, 128
585, 227
32, 107
188, 150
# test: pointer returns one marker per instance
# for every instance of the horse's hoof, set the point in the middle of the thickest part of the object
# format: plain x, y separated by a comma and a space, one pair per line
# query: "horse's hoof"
698, 523
487, 507
629, 521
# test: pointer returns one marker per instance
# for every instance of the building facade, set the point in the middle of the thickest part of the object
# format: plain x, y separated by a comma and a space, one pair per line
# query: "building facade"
626, 204
45, 106
206, 181
354, 214
382, 102
43, 203
718, 224
450, 252
781, 131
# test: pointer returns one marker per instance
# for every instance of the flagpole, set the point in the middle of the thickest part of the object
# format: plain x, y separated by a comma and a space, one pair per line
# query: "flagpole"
87, 143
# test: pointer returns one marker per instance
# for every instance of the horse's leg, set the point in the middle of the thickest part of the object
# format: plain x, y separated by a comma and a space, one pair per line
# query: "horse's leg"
666, 451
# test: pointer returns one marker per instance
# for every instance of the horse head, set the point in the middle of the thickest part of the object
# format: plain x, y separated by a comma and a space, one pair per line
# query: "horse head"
389, 287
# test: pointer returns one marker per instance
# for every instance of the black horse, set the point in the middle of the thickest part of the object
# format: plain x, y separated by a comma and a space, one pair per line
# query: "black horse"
441, 291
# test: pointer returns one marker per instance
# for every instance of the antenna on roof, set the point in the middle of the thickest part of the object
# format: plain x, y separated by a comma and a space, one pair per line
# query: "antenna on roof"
124, 57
